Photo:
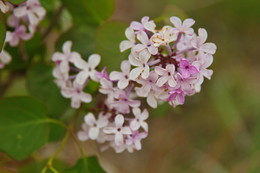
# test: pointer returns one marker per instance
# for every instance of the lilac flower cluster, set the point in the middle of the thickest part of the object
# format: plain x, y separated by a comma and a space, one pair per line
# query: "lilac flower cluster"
23, 20
164, 65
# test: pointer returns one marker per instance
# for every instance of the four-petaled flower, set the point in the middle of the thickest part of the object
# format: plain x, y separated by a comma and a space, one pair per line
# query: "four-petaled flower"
87, 68
186, 69
139, 119
122, 77
119, 130
95, 125
184, 27
167, 75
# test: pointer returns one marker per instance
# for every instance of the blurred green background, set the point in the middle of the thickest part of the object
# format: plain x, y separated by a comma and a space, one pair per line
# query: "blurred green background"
217, 130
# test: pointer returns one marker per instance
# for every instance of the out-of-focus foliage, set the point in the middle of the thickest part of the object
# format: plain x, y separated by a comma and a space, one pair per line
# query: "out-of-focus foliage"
23, 134
86, 165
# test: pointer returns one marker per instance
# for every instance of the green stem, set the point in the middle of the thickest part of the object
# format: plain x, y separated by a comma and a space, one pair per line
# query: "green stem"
50, 161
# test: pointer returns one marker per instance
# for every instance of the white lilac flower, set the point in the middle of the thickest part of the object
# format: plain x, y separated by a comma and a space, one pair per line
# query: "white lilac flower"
122, 77
145, 25
124, 102
166, 75
184, 27
87, 69
32, 10
95, 125
141, 67
5, 58
135, 139
119, 130
199, 43
147, 84
146, 46
77, 95
63, 59
139, 119
126, 44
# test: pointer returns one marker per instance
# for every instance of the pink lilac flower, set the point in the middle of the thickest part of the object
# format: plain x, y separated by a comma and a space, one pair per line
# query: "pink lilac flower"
119, 130
122, 77
186, 69
124, 102
167, 75
147, 84
87, 69
95, 125
199, 43
77, 95
139, 119
63, 59
142, 67
126, 44
146, 46
176, 97
184, 27
32, 10
19, 34
144, 25
135, 139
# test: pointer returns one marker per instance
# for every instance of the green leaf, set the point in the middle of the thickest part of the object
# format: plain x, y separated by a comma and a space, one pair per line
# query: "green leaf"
41, 85
91, 12
37, 166
2, 32
109, 35
23, 126
86, 165
16, 1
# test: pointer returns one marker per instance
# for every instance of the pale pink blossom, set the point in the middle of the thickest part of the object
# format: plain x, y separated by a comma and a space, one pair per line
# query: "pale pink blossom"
135, 139
139, 120
166, 75
176, 97
124, 102
95, 125
147, 84
18, 34
199, 43
119, 130
146, 46
87, 69
122, 77
126, 44
145, 24
182, 27
141, 67
76, 94
32, 10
